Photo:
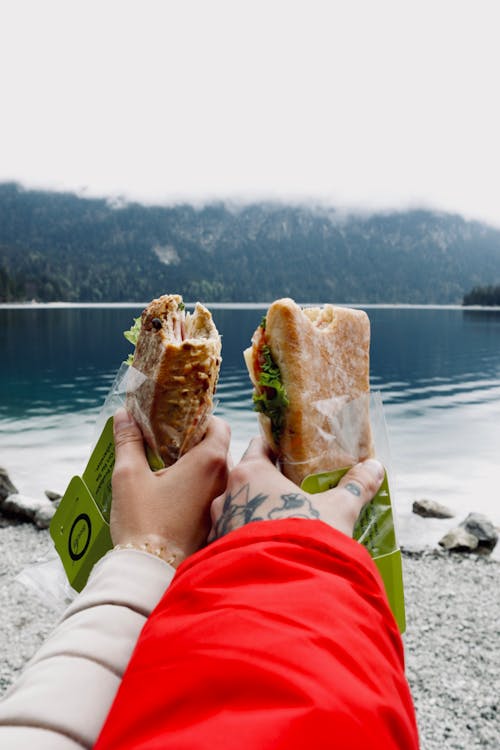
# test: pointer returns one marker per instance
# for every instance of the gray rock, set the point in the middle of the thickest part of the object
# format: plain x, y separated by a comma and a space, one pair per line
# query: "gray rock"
482, 528
44, 515
6, 486
53, 496
459, 540
431, 509
26, 507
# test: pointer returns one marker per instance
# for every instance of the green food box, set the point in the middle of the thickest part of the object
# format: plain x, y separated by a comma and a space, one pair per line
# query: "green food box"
80, 526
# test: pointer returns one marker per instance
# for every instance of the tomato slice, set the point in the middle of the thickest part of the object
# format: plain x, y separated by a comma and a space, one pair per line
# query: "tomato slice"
258, 358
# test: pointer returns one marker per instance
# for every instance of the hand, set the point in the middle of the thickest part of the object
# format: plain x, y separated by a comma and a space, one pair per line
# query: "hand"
257, 491
170, 508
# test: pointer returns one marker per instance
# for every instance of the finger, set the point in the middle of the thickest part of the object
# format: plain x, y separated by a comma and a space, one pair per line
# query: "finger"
362, 482
218, 432
129, 443
257, 450
216, 509
213, 450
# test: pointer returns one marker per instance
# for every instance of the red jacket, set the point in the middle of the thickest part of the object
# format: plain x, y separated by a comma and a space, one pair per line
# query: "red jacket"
278, 636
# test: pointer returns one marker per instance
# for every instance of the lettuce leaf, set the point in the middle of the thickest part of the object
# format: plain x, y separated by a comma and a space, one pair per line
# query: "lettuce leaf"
273, 398
132, 335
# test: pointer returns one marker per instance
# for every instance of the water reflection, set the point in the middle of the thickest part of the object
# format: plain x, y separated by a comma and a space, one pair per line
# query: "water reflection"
438, 372
58, 361
65, 359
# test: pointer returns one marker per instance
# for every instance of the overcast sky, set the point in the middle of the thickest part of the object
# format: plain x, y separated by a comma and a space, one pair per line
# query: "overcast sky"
362, 103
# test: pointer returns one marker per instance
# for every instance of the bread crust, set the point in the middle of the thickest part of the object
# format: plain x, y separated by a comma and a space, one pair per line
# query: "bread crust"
323, 356
179, 362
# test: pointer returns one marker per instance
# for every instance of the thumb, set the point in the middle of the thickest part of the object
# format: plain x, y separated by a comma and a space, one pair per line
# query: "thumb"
129, 443
361, 482
257, 450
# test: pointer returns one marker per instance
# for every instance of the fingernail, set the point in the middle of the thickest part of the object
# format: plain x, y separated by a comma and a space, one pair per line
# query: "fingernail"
375, 467
122, 419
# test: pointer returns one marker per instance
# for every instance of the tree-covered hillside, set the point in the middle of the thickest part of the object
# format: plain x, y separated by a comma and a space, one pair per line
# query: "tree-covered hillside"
487, 296
58, 246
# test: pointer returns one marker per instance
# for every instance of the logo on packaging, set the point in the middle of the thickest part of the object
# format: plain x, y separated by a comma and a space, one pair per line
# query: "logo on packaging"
79, 536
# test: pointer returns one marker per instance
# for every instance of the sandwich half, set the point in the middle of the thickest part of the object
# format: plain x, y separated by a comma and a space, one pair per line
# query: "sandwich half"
310, 369
175, 372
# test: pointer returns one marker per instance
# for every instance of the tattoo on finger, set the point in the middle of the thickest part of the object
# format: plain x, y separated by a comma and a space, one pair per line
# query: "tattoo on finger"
353, 488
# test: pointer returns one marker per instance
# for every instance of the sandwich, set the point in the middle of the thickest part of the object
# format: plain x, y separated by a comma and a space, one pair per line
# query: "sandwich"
310, 372
175, 369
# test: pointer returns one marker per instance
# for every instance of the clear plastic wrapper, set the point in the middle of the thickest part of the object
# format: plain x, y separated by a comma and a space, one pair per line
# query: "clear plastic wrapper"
130, 381
336, 433
185, 424
376, 526
48, 581
351, 432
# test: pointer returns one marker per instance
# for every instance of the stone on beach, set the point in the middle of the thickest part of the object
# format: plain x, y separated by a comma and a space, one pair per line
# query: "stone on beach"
459, 540
431, 509
482, 528
38, 510
53, 496
6, 486
475, 533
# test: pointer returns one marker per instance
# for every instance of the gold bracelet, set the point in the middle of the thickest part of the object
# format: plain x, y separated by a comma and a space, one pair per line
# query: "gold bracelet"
147, 547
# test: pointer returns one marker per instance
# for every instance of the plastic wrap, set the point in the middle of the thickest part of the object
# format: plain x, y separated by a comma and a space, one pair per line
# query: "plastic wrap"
376, 526
337, 433
185, 424
130, 382
47, 579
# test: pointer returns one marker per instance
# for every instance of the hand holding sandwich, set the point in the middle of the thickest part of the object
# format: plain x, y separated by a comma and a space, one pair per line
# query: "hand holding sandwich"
167, 510
257, 491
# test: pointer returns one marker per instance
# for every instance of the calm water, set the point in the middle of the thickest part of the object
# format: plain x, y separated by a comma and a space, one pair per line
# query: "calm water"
438, 371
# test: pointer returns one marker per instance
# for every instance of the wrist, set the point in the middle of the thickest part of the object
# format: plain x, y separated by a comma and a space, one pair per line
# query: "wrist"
163, 551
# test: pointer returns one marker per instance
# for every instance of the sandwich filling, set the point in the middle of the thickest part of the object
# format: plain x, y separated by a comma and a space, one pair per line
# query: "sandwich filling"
270, 397
174, 324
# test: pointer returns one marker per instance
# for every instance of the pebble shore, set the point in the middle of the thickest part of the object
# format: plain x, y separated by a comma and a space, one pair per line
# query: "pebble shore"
452, 641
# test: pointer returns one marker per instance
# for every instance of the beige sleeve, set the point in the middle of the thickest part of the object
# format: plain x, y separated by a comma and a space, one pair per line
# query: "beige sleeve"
63, 696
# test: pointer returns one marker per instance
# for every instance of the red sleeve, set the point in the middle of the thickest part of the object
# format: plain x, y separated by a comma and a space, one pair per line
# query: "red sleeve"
278, 636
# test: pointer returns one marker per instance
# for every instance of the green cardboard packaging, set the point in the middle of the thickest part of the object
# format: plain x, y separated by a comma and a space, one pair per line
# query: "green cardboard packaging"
80, 526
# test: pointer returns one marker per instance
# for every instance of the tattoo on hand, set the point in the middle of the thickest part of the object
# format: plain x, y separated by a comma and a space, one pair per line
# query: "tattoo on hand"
354, 489
293, 503
240, 509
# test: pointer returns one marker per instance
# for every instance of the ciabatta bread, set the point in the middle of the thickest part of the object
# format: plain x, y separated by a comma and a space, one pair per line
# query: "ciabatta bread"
323, 356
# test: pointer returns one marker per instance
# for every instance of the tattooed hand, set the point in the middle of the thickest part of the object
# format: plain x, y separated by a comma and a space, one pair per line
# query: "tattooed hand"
257, 491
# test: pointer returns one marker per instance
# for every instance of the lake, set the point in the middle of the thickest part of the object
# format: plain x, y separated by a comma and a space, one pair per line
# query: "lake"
437, 369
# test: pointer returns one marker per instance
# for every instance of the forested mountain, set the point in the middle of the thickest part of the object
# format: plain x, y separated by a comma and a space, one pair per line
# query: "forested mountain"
58, 246
487, 296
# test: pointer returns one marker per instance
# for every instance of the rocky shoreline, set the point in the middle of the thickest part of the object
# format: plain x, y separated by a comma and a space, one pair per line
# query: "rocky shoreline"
452, 641
452, 647
17, 507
